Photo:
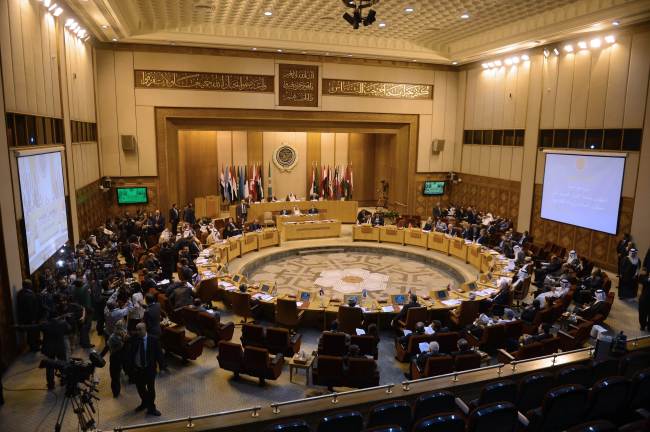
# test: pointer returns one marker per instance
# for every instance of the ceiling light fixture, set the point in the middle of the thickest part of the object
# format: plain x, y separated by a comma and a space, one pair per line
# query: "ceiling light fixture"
497, 63
408, 9
610, 39
382, 24
105, 26
356, 18
515, 59
114, 39
582, 45
546, 53
556, 51
58, 11
485, 66
464, 16
490, 64
595, 43
568, 48
279, 50
47, 3
508, 62
525, 57
616, 23
454, 63
51, 8
268, 13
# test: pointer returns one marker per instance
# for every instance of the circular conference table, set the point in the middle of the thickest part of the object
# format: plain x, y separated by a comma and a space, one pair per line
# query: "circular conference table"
215, 282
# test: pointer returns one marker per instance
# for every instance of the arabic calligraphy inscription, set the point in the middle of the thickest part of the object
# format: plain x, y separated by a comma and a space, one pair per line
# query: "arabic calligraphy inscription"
338, 87
298, 85
204, 81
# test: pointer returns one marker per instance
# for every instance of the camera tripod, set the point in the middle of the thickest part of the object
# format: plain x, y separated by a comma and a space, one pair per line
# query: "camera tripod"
81, 400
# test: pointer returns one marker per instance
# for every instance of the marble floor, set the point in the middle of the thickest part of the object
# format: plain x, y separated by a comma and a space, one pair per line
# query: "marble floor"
200, 387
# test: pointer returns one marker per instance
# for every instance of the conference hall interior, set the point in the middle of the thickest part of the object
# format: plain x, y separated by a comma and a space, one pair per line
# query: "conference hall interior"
332, 215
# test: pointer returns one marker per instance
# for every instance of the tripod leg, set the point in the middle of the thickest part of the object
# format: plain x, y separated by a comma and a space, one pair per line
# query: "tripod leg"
59, 418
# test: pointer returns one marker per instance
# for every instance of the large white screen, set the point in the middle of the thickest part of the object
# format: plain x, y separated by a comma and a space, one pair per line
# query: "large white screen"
44, 211
583, 190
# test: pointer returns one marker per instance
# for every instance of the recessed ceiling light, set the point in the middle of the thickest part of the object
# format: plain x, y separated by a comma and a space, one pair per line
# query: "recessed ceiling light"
382, 25
508, 61
327, 53
349, 55
414, 60
595, 43
464, 16
610, 39
568, 48
254, 49
497, 62
616, 23
268, 13
525, 57
303, 52
546, 53
582, 45
408, 9
279, 50
454, 62
556, 51
114, 39
172, 43
485, 66
105, 26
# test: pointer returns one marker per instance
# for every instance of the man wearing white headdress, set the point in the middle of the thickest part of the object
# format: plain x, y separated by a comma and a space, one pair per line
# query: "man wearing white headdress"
557, 292
599, 306
630, 268
214, 236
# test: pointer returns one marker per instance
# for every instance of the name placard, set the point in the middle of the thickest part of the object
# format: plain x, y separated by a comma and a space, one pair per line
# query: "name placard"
203, 81
298, 85
339, 87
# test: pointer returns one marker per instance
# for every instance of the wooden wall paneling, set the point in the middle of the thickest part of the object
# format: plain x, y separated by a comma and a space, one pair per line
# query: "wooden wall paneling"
46, 60
434, 123
181, 181
479, 101
107, 109
450, 119
637, 82
39, 65
470, 98
460, 121
362, 158
224, 145
509, 96
630, 175
617, 82
466, 165
7, 56
313, 156
517, 161
505, 164
597, 88
549, 92
521, 94
564, 87
327, 148
28, 24
580, 89
341, 149
475, 167
499, 98
292, 181
426, 162
255, 150
54, 66
488, 99
146, 140
240, 148
126, 117
484, 160
494, 161
17, 57
70, 68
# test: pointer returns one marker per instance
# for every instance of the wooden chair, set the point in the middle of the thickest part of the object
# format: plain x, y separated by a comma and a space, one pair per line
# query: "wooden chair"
287, 313
413, 316
466, 313
268, 219
241, 305
350, 318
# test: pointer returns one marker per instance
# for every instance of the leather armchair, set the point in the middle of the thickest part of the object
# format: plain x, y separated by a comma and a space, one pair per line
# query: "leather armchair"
287, 313
279, 340
533, 349
362, 372
436, 365
367, 344
350, 318
230, 357
412, 348
253, 335
211, 327
328, 371
413, 316
333, 344
466, 313
173, 339
471, 360
258, 363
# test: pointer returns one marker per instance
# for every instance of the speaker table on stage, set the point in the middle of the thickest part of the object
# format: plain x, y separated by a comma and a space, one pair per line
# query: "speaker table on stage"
311, 230
344, 211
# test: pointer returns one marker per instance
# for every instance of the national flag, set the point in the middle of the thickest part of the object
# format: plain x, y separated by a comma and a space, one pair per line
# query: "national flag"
312, 189
260, 183
246, 191
270, 185
330, 181
233, 187
222, 183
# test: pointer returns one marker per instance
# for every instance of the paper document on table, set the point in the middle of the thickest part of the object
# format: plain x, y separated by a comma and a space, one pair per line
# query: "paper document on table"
428, 330
388, 309
360, 332
451, 302
424, 347
298, 304
407, 332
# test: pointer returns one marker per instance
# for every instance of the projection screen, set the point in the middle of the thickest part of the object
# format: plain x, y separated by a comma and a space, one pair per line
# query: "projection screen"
583, 190
43, 201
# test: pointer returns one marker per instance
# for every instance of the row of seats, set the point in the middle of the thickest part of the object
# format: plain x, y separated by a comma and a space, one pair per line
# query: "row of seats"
499, 408
336, 344
274, 339
358, 372
250, 360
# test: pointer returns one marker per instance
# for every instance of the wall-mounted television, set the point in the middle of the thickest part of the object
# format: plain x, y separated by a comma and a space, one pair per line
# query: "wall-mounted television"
132, 195
433, 188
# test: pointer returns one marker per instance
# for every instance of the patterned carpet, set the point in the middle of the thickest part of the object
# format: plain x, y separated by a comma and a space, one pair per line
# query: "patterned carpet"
300, 272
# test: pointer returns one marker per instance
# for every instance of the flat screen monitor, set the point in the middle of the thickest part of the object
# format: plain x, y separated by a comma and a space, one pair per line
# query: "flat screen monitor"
305, 296
583, 190
442, 294
45, 214
433, 188
398, 299
132, 195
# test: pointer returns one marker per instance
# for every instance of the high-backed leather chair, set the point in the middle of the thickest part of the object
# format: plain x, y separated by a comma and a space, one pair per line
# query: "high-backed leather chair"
367, 344
350, 319
531, 350
208, 290
448, 422
500, 391
640, 390
532, 389
241, 305
391, 413
603, 369
258, 363
550, 345
211, 327
467, 361
173, 339
634, 362
608, 399
339, 422
290, 426
413, 316
328, 371
361, 373
466, 313
520, 291
495, 417
190, 319
413, 347
576, 336
447, 341
542, 316
437, 365
575, 374
514, 329
333, 344
279, 340
434, 403
287, 313
252, 335
230, 357
493, 338
595, 426
562, 408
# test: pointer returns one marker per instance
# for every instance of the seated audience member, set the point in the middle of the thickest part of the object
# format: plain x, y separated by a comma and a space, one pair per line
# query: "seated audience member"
285, 212
254, 226
441, 226
508, 316
428, 224
197, 305
363, 217
553, 267
418, 330
502, 298
378, 218
272, 198
334, 328
438, 211
573, 260
312, 210
214, 236
597, 307
421, 359
296, 211
413, 302
182, 294
231, 229
529, 312
479, 324
543, 332
554, 293
462, 347
482, 237
353, 352
243, 288
437, 327
291, 197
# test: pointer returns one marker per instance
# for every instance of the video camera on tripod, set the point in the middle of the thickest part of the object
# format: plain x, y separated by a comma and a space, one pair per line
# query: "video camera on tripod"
80, 388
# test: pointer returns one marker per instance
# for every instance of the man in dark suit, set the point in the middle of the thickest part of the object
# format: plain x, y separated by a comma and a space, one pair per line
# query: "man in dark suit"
146, 354
434, 350
401, 316
312, 210
254, 226
188, 214
378, 219
152, 316
174, 218
157, 222
242, 212
438, 211
230, 229
28, 308
54, 331
418, 330
182, 293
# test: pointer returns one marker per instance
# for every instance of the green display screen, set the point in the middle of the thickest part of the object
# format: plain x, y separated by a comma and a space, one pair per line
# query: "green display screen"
433, 188
132, 195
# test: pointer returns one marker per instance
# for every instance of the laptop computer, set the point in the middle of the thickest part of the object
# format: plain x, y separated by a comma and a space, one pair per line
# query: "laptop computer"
469, 286
440, 295
398, 299
347, 297
238, 278
268, 288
